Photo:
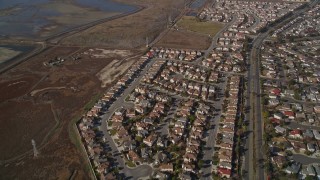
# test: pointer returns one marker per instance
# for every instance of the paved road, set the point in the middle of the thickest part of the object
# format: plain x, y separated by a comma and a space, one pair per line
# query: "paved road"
211, 134
214, 41
255, 143
164, 126
255, 164
140, 171
305, 160
257, 21
248, 165
295, 125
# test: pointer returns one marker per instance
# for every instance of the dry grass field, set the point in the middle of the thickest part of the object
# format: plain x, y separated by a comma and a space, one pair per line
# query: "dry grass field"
182, 39
42, 103
191, 23
130, 31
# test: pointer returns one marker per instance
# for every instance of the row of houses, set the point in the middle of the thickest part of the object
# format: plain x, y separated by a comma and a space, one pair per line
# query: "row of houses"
228, 56
300, 64
154, 71
303, 26
134, 70
247, 12
186, 55
180, 126
89, 126
94, 143
305, 113
185, 79
140, 122
225, 137
225, 61
284, 140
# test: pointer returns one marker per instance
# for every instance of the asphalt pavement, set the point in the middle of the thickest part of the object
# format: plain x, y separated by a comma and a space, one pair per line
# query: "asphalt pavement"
142, 170
305, 160
211, 133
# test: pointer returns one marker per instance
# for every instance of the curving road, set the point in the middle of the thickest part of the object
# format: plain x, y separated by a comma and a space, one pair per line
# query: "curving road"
215, 40
130, 173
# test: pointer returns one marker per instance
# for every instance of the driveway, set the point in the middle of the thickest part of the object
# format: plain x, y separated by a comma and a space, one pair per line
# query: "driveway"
138, 172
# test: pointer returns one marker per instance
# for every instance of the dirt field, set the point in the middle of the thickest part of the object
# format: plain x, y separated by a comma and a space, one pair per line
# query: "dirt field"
40, 103
182, 39
130, 31
16, 87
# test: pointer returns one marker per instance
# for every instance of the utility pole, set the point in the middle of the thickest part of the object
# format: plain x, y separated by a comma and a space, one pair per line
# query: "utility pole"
169, 21
147, 42
35, 151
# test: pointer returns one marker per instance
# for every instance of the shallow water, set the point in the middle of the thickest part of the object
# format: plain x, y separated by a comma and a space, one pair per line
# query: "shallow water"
106, 5
26, 18
21, 49
197, 4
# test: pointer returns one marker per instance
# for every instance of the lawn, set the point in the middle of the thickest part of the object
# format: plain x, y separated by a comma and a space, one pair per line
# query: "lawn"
193, 24
130, 164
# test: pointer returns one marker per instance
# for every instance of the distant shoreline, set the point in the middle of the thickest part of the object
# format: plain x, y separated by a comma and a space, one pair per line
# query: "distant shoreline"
54, 39
44, 33
91, 24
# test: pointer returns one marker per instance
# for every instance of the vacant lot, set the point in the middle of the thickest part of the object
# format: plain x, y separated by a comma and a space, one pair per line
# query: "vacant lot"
193, 24
40, 103
182, 39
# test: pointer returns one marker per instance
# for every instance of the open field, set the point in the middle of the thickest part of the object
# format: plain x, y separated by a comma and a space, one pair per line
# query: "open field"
130, 31
193, 24
182, 39
40, 102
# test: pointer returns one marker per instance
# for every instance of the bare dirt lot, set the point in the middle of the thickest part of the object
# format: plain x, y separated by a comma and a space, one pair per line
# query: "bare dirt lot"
183, 39
40, 103
16, 87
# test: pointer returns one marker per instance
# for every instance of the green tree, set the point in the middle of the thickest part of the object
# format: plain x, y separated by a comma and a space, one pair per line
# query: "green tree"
200, 164
309, 178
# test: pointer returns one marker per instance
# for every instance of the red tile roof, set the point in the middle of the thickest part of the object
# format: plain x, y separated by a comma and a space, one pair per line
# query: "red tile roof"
276, 91
288, 113
295, 132
224, 171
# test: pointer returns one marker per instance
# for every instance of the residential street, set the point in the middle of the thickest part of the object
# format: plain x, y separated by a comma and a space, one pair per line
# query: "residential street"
305, 160
140, 171
295, 125
211, 134
215, 40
